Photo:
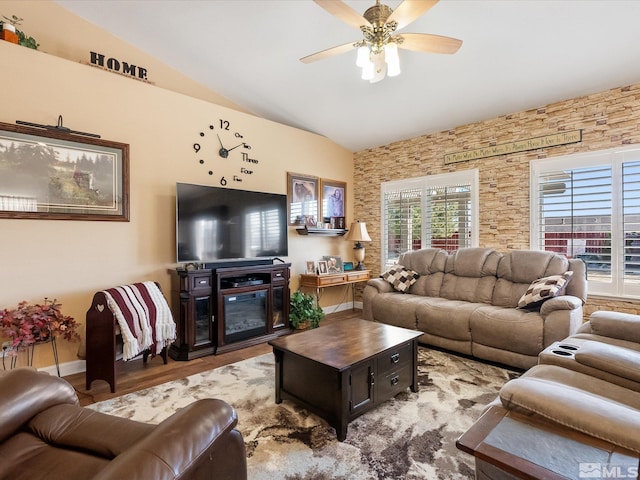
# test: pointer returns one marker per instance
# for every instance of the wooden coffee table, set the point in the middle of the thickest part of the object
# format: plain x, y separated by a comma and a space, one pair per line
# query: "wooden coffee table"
340, 371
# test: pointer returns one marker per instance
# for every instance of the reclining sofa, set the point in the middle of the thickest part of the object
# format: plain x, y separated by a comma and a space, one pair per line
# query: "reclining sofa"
45, 434
471, 301
584, 395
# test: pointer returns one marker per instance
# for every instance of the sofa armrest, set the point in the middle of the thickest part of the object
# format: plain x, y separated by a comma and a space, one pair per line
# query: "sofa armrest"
562, 302
25, 392
178, 445
623, 326
381, 285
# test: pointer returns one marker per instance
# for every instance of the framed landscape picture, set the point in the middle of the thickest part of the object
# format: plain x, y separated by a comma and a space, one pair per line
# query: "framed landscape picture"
46, 174
333, 199
302, 194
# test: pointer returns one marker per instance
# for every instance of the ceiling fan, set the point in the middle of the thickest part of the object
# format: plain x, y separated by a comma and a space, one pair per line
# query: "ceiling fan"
378, 50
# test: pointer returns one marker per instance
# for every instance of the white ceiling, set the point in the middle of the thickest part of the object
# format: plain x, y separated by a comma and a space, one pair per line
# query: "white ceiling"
516, 55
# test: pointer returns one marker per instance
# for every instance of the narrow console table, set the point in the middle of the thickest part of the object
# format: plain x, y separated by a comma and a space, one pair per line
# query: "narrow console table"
319, 282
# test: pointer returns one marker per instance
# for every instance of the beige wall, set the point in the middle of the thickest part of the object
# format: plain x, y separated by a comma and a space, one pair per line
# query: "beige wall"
63, 34
70, 260
607, 119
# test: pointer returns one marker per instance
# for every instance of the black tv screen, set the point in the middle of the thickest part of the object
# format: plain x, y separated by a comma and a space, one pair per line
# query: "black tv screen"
215, 223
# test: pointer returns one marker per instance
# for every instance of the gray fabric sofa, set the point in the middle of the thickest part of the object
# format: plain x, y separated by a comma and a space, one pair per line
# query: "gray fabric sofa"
467, 302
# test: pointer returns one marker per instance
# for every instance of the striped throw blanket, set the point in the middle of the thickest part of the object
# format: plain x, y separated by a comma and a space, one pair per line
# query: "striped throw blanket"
143, 316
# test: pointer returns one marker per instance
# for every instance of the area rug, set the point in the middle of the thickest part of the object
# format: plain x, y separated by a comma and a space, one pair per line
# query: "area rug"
409, 437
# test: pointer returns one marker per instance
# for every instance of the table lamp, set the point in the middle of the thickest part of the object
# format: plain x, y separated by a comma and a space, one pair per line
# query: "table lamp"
358, 233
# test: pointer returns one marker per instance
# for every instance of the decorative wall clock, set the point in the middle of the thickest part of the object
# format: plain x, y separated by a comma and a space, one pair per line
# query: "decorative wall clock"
220, 142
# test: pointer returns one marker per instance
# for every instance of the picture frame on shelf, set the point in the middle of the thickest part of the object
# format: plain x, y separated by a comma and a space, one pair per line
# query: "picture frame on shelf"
334, 263
334, 195
303, 197
337, 222
55, 175
311, 268
322, 268
347, 266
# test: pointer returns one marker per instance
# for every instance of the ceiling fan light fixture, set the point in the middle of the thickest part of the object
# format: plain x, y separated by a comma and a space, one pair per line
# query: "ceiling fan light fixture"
363, 56
368, 70
392, 58
379, 67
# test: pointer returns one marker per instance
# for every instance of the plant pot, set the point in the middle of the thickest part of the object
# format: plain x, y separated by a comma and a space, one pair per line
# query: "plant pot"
9, 34
303, 325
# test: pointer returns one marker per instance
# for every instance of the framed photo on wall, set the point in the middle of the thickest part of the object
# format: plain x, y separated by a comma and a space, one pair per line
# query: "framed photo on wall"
48, 174
334, 196
302, 194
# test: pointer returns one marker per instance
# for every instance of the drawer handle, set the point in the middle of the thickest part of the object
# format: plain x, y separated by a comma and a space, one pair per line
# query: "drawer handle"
395, 358
202, 281
395, 380
372, 379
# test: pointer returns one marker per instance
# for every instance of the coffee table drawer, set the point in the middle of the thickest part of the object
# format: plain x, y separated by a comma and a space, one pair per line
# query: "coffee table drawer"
389, 385
395, 358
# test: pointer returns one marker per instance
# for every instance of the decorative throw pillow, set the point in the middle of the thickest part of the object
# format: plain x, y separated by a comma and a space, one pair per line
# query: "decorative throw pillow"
544, 289
401, 278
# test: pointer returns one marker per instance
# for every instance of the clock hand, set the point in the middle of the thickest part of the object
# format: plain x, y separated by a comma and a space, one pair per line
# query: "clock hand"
239, 145
223, 152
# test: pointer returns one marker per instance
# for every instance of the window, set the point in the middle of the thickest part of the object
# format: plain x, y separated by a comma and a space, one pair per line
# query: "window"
590, 209
435, 211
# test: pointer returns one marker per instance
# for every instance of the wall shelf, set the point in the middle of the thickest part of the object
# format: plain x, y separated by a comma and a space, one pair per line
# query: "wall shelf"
327, 232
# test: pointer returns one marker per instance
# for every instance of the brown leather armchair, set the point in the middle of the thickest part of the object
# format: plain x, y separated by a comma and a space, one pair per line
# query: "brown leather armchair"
45, 434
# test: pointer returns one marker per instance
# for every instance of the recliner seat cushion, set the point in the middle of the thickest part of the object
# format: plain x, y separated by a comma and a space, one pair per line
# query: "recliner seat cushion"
508, 329
446, 318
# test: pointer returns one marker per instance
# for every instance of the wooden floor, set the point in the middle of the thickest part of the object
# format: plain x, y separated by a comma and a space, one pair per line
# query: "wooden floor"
136, 375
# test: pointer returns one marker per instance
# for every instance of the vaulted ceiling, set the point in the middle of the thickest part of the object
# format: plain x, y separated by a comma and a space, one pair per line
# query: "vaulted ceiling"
516, 55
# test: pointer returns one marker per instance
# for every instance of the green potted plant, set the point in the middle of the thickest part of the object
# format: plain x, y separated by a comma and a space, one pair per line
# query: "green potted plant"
10, 33
304, 312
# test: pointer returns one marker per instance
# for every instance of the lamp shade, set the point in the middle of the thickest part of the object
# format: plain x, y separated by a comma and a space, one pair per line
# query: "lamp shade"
358, 232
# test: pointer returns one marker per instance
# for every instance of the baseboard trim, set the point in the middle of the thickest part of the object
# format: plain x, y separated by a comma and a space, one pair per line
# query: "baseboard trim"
67, 368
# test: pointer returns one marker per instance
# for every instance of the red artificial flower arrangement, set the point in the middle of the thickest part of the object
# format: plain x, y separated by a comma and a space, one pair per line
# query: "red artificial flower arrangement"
30, 324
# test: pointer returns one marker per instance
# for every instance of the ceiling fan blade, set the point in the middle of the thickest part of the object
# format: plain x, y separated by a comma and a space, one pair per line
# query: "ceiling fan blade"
344, 12
329, 52
425, 42
409, 10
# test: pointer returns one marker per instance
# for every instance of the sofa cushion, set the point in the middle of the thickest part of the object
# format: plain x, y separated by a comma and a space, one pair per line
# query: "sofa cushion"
446, 318
519, 331
544, 289
401, 278
394, 309
519, 268
470, 275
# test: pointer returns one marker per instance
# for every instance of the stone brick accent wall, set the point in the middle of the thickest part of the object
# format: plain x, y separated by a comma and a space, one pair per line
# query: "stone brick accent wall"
607, 119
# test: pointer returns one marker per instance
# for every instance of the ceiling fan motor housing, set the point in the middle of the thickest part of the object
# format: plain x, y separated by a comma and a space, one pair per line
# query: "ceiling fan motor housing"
379, 33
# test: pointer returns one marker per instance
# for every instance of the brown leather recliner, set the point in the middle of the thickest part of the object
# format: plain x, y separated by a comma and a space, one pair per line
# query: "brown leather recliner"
45, 434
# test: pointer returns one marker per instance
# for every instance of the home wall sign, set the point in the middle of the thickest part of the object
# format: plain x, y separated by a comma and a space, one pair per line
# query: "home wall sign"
220, 141
118, 66
562, 138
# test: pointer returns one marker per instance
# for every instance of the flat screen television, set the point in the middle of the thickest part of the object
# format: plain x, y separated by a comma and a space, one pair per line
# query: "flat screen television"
215, 224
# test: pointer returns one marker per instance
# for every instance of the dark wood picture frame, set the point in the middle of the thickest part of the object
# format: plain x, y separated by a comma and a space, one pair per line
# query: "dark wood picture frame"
302, 194
54, 175
334, 198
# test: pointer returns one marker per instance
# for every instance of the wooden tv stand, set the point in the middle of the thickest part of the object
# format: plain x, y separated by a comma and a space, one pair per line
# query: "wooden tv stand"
202, 299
